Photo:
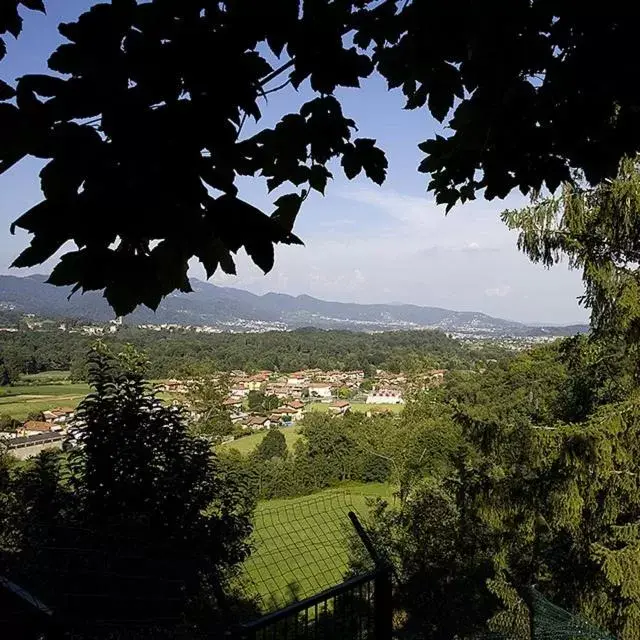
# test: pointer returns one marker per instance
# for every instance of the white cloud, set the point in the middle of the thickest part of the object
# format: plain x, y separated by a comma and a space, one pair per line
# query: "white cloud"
498, 292
404, 249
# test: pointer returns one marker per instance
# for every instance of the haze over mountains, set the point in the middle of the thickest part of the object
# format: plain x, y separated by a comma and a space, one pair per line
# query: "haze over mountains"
235, 309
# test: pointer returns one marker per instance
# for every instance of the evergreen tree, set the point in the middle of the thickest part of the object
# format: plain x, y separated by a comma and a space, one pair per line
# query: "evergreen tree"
273, 445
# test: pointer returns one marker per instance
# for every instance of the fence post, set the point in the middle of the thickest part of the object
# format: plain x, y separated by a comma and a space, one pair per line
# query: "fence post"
382, 605
382, 586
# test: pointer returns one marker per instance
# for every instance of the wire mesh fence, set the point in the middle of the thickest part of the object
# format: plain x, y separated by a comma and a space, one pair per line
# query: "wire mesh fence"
536, 618
300, 547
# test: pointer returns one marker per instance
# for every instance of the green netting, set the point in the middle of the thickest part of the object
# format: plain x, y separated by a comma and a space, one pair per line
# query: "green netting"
550, 622
545, 621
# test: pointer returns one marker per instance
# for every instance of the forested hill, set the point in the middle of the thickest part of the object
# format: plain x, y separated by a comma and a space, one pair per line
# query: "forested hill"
224, 307
171, 353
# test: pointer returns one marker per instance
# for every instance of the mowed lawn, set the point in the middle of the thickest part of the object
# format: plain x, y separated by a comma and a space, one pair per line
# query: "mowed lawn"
20, 400
301, 544
249, 443
359, 406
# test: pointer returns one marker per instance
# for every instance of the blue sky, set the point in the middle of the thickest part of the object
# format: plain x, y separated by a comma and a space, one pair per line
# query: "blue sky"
363, 243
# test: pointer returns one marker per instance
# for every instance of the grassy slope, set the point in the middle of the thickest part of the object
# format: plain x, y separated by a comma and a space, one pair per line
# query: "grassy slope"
360, 406
249, 443
301, 543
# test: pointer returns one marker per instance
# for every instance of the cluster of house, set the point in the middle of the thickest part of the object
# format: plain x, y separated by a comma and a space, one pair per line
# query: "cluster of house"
285, 414
53, 421
35, 435
296, 390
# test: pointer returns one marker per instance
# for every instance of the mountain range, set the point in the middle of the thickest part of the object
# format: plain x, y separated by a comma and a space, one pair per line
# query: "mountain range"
235, 309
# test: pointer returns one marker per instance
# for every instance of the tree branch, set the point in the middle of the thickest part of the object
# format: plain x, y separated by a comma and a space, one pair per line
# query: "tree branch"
274, 74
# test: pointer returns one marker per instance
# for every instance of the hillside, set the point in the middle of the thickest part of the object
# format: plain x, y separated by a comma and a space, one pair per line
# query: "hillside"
226, 307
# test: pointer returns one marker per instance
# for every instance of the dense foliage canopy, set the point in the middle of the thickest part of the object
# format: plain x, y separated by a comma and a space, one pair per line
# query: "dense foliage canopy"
182, 353
141, 121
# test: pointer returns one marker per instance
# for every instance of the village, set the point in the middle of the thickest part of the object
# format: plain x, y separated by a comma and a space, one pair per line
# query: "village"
286, 398
292, 395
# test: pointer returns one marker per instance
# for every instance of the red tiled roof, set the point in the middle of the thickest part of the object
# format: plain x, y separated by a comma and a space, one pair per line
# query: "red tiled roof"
36, 425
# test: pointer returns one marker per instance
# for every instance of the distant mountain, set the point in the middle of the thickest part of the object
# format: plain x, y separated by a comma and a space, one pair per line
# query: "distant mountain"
226, 307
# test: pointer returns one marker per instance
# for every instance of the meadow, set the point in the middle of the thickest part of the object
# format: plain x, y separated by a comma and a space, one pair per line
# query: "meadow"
361, 407
247, 444
301, 544
41, 392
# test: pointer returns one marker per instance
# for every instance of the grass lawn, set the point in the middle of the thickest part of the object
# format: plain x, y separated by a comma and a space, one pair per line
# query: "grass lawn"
301, 544
249, 443
359, 406
20, 400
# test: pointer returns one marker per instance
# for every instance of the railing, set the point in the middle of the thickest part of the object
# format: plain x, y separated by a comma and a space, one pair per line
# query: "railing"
359, 609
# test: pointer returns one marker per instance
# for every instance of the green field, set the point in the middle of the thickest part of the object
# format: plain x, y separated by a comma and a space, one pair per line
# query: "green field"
359, 406
20, 400
300, 544
249, 443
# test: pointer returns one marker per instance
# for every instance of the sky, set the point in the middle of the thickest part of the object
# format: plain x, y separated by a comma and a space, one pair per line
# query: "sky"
363, 243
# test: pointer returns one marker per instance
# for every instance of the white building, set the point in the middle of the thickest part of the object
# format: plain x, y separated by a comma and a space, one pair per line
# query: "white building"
319, 390
385, 396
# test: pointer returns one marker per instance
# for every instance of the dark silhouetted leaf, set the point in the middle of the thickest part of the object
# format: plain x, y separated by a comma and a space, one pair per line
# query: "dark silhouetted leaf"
41, 84
288, 207
42, 247
69, 269
6, 92
262, 254
13, 23
372, 159
34, 5
227, 264
318, 178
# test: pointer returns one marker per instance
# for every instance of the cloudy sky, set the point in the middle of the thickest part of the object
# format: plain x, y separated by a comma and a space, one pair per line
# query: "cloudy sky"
363, 243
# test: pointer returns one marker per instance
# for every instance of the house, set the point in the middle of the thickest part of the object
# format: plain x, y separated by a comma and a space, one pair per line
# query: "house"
280, 391
339, 407
173, 386
58, 415
239, 417
385, 396
297, 379
319, 390
234, 402
36, 427
258, 422
254, 383
285, 414
293, 409
239, 392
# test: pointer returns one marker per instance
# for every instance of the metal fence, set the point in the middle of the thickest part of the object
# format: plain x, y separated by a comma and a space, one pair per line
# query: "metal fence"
358, 609
301, 547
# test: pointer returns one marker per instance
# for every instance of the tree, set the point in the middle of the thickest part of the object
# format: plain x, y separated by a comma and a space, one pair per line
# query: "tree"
273, 445
144, 504
255, 400
8, 423
134, 117
258, 401
205, 397
440, 563
344, 393
595, 228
